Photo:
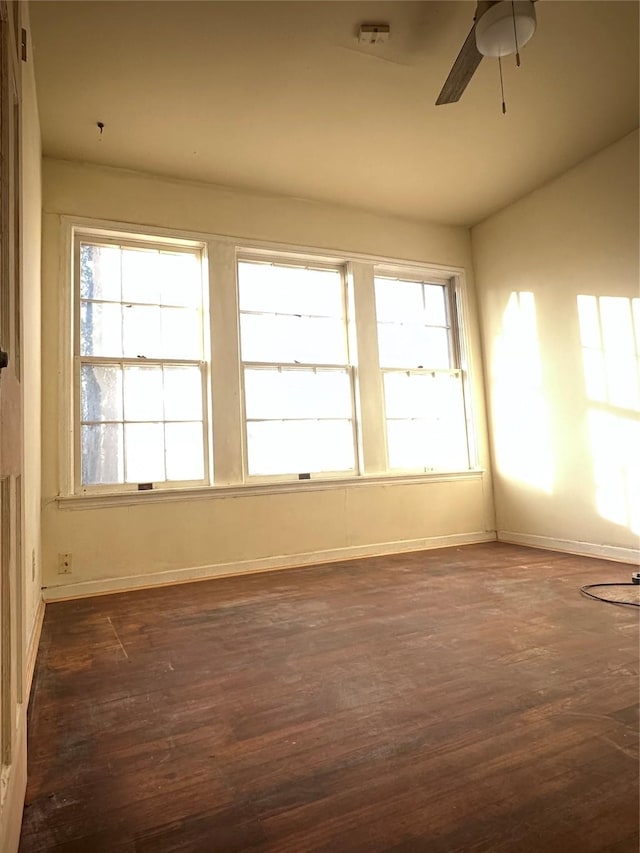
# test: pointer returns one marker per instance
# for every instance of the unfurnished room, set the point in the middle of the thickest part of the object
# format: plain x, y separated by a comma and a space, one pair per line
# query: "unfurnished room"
319, 426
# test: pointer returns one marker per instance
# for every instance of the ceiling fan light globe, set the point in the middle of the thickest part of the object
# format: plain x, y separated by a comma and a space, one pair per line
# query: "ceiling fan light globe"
495, 34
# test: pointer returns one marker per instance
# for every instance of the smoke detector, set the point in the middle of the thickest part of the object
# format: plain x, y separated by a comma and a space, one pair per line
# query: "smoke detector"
374, 33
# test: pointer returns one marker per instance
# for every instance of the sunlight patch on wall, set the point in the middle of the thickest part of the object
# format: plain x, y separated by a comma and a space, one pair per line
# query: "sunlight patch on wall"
610, 349
521, 413
610, 339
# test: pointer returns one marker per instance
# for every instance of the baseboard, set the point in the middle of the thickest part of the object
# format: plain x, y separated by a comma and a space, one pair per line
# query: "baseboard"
570, 546
14, 786
265, 564
32, 651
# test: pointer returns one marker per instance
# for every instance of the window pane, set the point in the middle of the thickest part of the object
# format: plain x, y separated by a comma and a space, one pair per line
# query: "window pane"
437, 348
298, 447
402, 345
293, 339
405, 395
140, 275
398, 301
180, 279
101, 393
102, 456
413, 346
436, 436
100, 272
182, 394
181, 333
282, 394
141, 331
184, 451
290, 290
435, 304
100, 329
144, 453
143, 393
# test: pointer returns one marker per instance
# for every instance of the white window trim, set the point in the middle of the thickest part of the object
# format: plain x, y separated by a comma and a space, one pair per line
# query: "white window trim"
225, 375
458, 347
304, 261
100, 237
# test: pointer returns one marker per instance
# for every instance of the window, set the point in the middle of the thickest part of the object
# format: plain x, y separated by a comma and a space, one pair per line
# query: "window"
422, 382
140, 364
267, 364
298, 394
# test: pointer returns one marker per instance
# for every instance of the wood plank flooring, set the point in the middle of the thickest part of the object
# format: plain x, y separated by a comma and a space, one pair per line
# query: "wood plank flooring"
462, 699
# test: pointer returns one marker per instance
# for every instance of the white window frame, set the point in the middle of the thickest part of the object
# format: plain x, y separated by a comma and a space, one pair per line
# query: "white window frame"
304, 262
225, 419
457, 353
145, 241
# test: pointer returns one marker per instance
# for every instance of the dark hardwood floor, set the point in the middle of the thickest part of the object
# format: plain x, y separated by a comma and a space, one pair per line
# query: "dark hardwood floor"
464, 699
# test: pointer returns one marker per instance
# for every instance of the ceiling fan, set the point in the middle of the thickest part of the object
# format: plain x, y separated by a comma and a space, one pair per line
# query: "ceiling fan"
500, 28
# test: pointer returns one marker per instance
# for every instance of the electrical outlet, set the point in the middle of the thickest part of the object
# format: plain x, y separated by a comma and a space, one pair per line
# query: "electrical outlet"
64, 564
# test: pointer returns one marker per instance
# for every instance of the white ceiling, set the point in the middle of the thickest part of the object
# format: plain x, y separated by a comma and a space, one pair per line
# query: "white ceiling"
279, 97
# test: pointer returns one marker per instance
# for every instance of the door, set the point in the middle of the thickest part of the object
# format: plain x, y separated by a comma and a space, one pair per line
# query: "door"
11, 574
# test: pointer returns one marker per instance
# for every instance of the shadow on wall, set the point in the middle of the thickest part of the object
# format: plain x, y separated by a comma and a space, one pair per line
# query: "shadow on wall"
610, 340
521, 412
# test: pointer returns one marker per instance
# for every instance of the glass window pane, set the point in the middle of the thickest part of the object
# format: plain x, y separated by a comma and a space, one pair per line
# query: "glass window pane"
398, 301
305, 340
141, 331
100, 329
180, 279
298, 447
282, 394
436, 436
143, 393
102, 455
405, 395
101, 393
402, 345
100, 272
436, 348
182, 394
435, 304
144, 453
413, 346
140, 275
290, 290
181, 333
405, 444
184, 451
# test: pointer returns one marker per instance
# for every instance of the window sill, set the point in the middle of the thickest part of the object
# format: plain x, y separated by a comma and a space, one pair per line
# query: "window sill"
112, 499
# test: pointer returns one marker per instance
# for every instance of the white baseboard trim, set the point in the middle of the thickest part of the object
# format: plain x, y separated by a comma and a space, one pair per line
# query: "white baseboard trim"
570, 546
32, 651
81, 589
14, 786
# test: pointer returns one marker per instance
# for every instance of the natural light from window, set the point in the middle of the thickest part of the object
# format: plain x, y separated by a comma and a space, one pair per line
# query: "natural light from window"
140, 362
521, 416
297, 376
610, 340
423, 385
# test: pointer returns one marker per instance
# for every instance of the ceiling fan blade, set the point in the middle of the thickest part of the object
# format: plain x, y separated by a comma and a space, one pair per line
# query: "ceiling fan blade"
462, 71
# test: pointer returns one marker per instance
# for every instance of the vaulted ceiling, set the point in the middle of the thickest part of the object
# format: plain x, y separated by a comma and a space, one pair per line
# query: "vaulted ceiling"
280, 97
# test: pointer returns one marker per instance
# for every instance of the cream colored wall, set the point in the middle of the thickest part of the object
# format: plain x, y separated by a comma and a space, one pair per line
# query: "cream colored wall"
566, 460
14, 778
31, 337
201, 537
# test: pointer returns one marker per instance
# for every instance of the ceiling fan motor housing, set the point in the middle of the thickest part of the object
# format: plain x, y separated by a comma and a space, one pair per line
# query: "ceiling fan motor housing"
504, 27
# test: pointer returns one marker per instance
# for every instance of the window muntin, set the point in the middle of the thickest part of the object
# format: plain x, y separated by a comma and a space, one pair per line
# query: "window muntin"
422, 383
141, 393
298, 389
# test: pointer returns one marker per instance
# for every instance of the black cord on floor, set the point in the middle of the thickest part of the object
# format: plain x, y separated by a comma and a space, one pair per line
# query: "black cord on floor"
585, 591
